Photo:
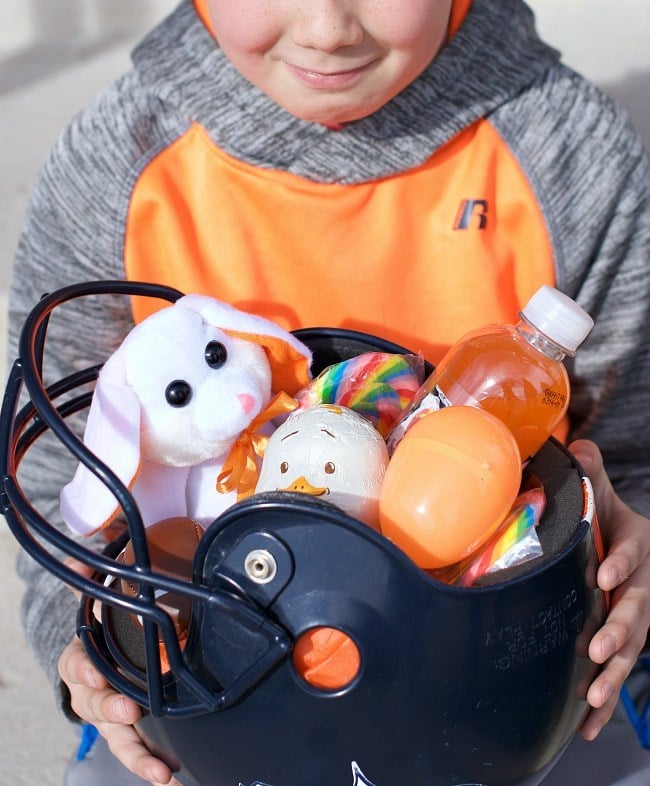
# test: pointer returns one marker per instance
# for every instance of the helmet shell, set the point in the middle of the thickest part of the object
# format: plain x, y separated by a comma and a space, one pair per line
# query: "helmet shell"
484, 685
456, 686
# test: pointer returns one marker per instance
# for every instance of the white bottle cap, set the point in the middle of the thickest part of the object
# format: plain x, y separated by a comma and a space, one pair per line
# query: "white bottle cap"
558, 317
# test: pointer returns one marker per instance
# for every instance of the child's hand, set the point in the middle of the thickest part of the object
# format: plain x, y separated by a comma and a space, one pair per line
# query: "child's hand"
111, 713
625, 572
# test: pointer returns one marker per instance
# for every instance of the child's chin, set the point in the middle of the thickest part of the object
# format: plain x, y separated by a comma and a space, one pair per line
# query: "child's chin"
333, 116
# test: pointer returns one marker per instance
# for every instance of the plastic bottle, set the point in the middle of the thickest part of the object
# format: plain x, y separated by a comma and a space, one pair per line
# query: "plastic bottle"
515, 372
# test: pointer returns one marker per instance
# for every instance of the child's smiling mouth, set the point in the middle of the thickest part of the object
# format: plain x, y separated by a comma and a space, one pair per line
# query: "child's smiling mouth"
333, 80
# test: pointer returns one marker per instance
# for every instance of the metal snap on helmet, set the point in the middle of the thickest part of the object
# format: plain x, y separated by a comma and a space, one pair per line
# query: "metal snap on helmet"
484, 685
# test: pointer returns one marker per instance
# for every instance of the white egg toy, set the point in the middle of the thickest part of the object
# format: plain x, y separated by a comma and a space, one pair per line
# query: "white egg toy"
332, 453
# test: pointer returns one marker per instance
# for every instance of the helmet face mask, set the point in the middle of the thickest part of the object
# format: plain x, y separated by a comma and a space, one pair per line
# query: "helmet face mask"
455, 686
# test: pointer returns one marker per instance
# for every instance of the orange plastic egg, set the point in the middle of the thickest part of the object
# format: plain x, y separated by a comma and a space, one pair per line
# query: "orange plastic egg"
450, 483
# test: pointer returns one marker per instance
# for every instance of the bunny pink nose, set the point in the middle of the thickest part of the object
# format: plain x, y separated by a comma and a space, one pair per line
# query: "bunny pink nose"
247, 401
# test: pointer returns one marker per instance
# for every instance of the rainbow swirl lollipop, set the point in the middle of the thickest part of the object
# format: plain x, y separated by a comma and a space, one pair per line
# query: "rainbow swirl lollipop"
514, 542
377, 385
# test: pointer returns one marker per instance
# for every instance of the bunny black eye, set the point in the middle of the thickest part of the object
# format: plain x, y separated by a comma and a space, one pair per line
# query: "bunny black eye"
178, 393
215, 354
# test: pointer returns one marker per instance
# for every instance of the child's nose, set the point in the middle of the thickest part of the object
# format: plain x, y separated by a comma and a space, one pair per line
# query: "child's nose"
327, 25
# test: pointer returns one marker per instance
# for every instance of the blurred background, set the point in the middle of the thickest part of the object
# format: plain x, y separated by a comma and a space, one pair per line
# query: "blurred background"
54, 56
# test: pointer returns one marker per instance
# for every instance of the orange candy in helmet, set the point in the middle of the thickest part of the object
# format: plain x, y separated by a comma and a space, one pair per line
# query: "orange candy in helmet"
449, 484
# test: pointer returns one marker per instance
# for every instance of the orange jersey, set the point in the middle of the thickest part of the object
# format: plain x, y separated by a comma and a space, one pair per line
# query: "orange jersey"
419, 259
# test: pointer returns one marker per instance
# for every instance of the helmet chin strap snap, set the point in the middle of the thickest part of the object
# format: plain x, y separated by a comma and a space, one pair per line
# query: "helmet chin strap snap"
260, 566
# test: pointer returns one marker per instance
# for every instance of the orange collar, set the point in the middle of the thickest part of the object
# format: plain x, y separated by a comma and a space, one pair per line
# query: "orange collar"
459, 9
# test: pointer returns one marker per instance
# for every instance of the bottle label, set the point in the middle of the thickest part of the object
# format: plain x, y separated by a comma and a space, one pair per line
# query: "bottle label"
554, 399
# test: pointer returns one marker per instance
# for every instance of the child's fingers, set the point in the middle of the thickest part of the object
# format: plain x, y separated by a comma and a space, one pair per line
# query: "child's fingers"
590, 458
111, 713
90, 695
625, 572
610, 681
628, 620
613, 513
603, 693
76, 668
628, 552
617, 645
126, 745
104, 706
598, 718
626, 533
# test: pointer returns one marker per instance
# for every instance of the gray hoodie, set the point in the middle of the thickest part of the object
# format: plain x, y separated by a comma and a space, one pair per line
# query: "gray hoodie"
584, 163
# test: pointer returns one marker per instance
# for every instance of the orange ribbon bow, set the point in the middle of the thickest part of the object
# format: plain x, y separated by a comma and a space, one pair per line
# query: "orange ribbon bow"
240, 470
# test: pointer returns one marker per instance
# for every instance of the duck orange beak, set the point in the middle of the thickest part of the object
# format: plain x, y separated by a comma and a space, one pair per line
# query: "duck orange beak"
303, 486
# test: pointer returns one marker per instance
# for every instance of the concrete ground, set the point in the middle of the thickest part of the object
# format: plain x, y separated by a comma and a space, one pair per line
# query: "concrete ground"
54, 56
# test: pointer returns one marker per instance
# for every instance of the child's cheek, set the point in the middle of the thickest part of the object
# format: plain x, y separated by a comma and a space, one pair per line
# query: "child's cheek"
407, 24
246, 26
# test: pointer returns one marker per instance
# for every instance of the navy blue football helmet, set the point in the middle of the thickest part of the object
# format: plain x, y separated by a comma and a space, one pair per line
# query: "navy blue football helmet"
484, 685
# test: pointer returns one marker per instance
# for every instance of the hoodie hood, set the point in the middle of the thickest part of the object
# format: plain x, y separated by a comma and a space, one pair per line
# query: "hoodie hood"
473, 75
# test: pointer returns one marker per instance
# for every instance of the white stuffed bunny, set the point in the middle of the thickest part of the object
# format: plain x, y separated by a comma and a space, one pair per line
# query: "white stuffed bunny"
170, 403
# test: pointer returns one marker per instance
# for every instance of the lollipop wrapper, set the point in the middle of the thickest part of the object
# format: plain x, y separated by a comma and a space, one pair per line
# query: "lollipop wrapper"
376, 385
514, 542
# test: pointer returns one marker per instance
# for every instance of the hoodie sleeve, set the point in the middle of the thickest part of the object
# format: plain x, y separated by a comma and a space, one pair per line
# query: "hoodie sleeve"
68, 237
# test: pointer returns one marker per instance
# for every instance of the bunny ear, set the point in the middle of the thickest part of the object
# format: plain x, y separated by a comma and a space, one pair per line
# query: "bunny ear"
289, 363
113, 435
289, 358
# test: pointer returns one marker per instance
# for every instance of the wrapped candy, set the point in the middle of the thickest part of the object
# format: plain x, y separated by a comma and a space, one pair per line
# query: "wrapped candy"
377, 385
513, 543
330, 452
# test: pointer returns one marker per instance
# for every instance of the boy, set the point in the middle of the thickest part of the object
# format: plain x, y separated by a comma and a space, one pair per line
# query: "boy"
408, 169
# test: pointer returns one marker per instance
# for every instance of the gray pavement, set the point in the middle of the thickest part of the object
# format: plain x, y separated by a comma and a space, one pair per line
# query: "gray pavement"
54, 56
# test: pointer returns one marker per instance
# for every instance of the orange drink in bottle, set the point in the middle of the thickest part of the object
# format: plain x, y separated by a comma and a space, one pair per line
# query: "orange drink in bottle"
515, 372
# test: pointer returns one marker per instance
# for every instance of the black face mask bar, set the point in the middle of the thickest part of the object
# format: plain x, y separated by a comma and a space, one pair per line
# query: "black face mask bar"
18, 431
